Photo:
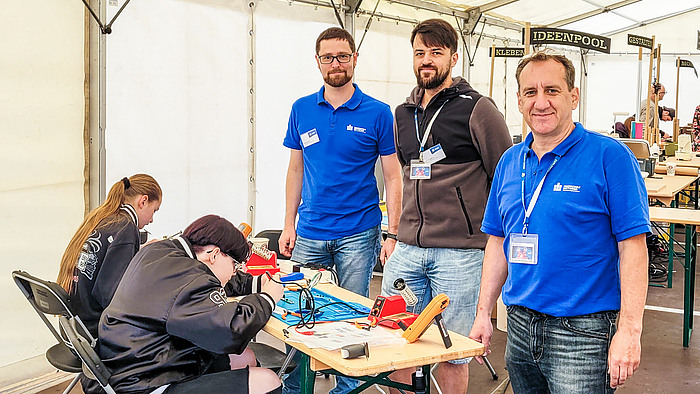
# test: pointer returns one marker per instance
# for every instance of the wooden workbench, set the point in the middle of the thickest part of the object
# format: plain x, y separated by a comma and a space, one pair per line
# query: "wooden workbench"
383, 360
665, 188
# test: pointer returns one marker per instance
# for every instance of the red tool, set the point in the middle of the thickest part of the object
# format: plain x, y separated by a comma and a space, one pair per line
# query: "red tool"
388, 311
262, 260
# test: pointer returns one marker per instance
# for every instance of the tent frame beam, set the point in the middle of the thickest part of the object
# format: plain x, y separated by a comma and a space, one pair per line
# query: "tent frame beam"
600, 10
650, 21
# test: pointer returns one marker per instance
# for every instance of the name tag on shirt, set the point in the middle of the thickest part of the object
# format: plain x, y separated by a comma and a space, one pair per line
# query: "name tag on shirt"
523, 248
309, 138
433, 154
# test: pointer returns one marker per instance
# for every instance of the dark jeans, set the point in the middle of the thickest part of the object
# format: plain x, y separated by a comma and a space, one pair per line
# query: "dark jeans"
354, 258
559, 355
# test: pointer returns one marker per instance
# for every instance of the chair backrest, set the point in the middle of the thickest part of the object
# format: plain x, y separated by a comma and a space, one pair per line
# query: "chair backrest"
47, 298
274, 237
93, 367
640, 148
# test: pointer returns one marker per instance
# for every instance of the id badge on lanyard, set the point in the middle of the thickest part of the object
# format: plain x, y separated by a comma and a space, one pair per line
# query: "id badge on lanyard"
524, 247
420, 168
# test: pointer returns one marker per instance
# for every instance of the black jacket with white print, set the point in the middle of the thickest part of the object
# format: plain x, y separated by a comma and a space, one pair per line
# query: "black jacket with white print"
170, 318
102, 262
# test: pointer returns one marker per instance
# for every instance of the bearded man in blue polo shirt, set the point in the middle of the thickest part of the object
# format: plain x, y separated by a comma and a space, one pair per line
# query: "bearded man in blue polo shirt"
335, 137
567, 217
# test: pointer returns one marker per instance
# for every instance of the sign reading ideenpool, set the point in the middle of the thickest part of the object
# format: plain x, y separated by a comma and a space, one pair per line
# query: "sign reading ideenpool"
544, 35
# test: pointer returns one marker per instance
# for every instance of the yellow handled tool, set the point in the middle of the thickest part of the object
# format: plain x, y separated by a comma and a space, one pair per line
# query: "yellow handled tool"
435, 308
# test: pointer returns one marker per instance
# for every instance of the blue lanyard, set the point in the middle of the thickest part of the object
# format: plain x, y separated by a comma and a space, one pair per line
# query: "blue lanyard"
536, 195
427, 130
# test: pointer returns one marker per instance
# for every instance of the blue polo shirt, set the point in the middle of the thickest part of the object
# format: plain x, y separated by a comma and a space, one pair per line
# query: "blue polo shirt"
339, 194
593, 198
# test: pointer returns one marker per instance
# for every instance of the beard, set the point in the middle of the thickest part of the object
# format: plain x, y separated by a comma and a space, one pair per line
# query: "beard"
337, 80
431, 82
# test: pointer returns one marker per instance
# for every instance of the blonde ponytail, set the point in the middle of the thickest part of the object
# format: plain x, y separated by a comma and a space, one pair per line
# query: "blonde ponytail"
122, 191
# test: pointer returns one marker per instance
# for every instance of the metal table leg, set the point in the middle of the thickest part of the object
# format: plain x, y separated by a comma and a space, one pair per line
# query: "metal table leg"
689, 283
308, 377
671, 235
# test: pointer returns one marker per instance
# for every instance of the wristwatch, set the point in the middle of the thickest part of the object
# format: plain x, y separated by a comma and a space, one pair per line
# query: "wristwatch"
391, 236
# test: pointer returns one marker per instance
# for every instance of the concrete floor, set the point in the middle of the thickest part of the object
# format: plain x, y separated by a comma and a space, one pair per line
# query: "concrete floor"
666, 366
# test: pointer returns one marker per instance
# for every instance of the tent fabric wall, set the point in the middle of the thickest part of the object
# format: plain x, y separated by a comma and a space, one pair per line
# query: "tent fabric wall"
178, 102
177, 106
42, 109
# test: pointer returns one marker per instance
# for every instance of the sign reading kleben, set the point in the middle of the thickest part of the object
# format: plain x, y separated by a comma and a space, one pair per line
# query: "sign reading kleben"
544, 35
506, 52
640, 41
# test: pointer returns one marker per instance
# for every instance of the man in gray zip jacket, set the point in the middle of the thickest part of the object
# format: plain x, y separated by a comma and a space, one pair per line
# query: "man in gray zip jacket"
449, 139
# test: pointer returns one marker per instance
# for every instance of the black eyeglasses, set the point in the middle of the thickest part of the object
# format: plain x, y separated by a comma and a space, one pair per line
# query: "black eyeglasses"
236, 264
342, 58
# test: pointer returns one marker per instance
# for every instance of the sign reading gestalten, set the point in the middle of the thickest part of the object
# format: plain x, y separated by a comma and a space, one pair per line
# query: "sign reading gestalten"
506, 52
686, 63
544, 35
640, 41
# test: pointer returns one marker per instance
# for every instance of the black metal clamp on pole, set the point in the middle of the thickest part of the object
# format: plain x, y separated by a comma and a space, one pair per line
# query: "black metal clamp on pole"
105, 29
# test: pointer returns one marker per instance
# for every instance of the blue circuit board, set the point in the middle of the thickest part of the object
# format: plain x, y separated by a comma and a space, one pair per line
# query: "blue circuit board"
335, 312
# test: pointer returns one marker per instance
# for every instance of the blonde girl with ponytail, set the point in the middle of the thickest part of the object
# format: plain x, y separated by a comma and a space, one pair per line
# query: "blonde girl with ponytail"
102, 247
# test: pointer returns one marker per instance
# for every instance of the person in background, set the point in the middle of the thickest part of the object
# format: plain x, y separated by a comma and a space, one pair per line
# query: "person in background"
696, 129
657, 94
170, 327
448, 140
336, 136
575, 303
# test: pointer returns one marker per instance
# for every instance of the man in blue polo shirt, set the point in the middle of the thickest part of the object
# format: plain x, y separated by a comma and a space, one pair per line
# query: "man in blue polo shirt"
335, 137
567, 217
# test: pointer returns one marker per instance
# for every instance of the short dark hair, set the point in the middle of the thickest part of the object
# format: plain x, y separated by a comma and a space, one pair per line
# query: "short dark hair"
217, 231
436, 33
543, 56
335, 33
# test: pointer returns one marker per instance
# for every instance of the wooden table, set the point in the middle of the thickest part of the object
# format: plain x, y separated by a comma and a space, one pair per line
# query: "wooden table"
693, 162
690, 218
665, 188
383, 360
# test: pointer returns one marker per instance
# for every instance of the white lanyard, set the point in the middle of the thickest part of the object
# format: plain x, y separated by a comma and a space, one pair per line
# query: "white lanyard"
427, 130
536, 195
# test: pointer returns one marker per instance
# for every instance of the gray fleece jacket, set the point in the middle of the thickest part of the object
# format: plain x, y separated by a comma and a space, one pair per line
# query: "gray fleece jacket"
446, 210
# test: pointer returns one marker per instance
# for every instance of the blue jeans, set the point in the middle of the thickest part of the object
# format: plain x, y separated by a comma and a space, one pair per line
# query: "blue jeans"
354, 258
431, 271
547, 354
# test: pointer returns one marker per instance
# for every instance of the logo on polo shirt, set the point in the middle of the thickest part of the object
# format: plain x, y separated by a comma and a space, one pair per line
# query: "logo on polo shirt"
218, 297
355, 128
567, 188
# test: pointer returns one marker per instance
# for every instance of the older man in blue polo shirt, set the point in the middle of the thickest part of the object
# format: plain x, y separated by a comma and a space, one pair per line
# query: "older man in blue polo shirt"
335, 137
567, 218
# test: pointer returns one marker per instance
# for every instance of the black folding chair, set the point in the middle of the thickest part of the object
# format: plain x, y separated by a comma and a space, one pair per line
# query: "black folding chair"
48, 298
92, 366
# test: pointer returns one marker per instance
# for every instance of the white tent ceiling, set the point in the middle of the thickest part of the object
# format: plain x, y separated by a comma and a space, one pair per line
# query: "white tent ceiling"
603, 17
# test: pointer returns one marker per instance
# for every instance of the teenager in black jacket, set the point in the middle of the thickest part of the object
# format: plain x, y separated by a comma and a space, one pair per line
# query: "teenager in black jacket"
102, 247
170, 326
